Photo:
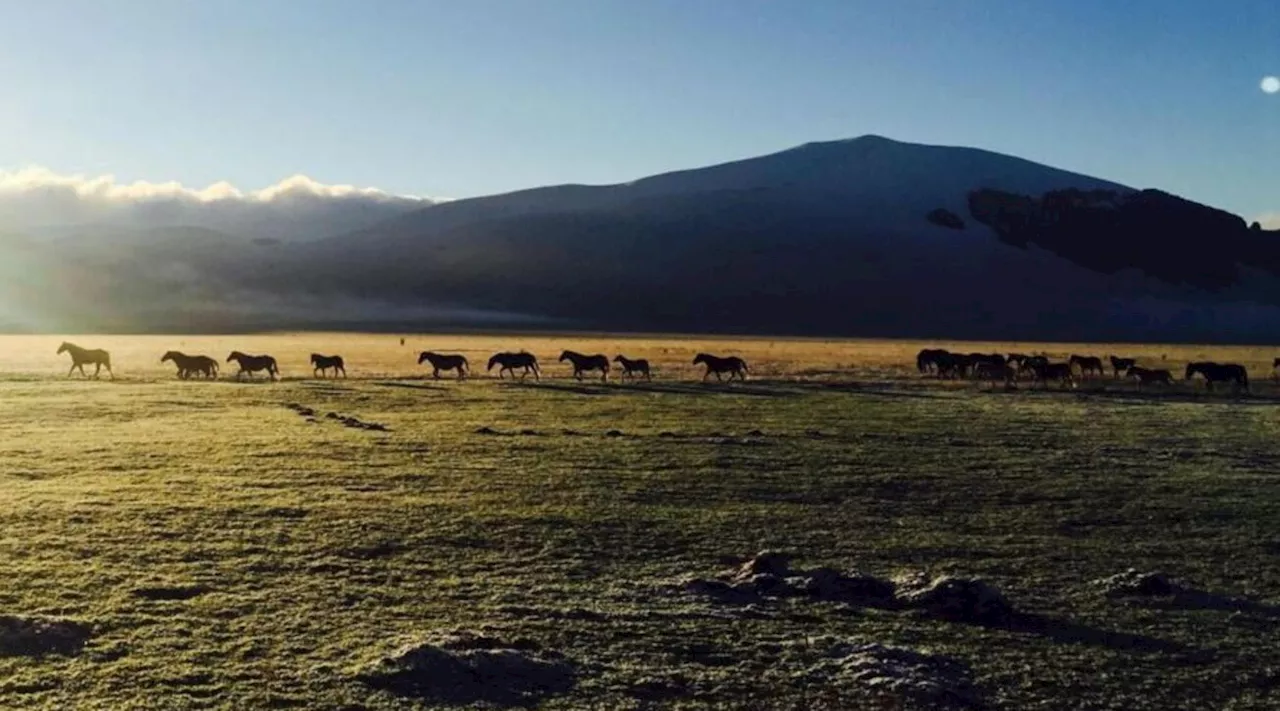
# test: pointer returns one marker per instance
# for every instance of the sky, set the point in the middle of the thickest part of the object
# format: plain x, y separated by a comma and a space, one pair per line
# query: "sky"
459, 99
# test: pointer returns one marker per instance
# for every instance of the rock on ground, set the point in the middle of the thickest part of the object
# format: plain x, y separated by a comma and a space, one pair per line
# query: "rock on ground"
954, 598
902, 677
768, 574
465, 668
21, 636
1133, 583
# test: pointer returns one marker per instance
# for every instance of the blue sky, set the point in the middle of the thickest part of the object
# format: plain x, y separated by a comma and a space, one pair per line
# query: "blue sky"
481, 96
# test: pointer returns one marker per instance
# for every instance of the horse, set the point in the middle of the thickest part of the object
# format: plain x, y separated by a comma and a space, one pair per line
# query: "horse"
322, 363
1044, 372
98, 358
953, 365
993, 372
441, 362
1087, 364
253, 363
1017, 359
980, 359
189, 365
511, 361
1146, 376
1275, 365
733, 365
1219, 373
632, 368
927, 359
585, 363
1122, 364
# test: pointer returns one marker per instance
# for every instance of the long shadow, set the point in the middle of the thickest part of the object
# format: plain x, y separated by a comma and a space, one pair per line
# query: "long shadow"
1067, 632
649, 387
863, 389
411, 386
1203, 600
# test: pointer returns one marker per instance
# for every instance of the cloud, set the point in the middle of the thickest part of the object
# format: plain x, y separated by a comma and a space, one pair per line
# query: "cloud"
36, 199
1269, 220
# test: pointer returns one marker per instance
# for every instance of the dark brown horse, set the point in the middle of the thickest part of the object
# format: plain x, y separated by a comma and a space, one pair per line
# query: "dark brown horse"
1044, 372
1146, 376
322, 363
98, 358
253, 363
1219, 373
441, 362
1120, 365
1087, 365
927, 360
733, 365
510, 361
587, 363
633, 368
189, 365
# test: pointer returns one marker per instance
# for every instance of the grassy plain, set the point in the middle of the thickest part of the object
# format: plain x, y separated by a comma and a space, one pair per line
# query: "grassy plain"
228, 553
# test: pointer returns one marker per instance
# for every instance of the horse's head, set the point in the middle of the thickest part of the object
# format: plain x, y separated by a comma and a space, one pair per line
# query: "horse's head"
168, 355
424, 356
566, 355
700, 358
1192, 369
235, 355
315, 358
64, 348
496, 359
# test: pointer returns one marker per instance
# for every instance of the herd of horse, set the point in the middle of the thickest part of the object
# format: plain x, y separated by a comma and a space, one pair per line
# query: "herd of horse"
1009, 368
202, 366
938, 362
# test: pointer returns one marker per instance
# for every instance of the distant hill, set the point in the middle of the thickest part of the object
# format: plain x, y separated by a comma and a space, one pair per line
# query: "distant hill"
862, 237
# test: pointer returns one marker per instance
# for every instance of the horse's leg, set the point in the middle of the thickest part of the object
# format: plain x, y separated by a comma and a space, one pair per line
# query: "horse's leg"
97, 368
72, 371
435, 373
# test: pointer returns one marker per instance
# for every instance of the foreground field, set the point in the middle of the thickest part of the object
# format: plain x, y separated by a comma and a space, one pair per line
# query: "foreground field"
232, 546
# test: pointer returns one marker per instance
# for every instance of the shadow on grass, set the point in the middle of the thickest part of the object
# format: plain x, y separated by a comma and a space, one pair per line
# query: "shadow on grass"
1063, 631
1202, 600
410, 386
690, 388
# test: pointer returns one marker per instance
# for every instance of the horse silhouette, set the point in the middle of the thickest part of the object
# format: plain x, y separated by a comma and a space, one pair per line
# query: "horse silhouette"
993, 372
510, 361
253, 363
733, 365
633, 368
1087, 365
1044, 372
1146, 376
441, 362
927, 360
587, 363
1120, 365
1219, 373
190, 365
322, 363
98, 358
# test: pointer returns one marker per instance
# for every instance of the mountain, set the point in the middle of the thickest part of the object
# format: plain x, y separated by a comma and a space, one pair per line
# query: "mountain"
861, 237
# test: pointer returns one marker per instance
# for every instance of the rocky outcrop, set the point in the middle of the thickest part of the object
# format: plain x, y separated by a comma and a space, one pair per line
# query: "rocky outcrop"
1164, 236
943, 217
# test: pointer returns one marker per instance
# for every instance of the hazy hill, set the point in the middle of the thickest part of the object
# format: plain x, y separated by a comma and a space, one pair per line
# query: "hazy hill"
866, 236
